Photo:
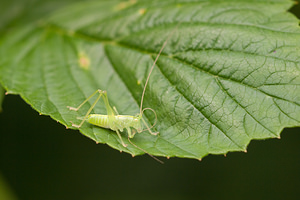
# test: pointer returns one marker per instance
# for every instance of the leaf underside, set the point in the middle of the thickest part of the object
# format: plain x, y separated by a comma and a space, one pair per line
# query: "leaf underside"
228, 74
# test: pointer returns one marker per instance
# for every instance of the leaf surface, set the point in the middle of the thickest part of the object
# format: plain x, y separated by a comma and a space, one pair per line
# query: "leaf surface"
228, 74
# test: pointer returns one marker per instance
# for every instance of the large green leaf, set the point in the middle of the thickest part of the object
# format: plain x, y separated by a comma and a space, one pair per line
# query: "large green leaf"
16, 12
229, 73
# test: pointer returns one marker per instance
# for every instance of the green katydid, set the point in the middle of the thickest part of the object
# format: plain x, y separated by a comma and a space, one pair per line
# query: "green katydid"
117, 122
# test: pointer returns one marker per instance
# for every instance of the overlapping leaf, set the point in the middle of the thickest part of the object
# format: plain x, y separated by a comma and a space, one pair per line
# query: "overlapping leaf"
229, 73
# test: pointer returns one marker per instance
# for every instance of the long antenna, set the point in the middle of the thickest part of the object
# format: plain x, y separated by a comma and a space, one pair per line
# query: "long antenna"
152, 67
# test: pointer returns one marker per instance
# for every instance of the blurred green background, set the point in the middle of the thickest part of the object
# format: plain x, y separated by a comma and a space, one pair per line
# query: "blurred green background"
40, 159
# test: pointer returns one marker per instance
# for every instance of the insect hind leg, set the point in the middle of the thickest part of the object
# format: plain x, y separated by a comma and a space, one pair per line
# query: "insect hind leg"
94, 93
91, 108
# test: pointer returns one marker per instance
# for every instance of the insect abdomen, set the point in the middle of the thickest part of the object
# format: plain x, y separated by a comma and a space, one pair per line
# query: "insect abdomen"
98, 120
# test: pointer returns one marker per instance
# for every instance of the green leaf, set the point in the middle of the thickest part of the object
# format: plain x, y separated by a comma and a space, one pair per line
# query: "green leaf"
22, 12
229, 73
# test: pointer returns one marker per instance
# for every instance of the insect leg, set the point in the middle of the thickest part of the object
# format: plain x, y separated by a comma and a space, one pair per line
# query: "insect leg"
76, 109
119, 135
91, 108
115, 109
130, 134
110, 111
